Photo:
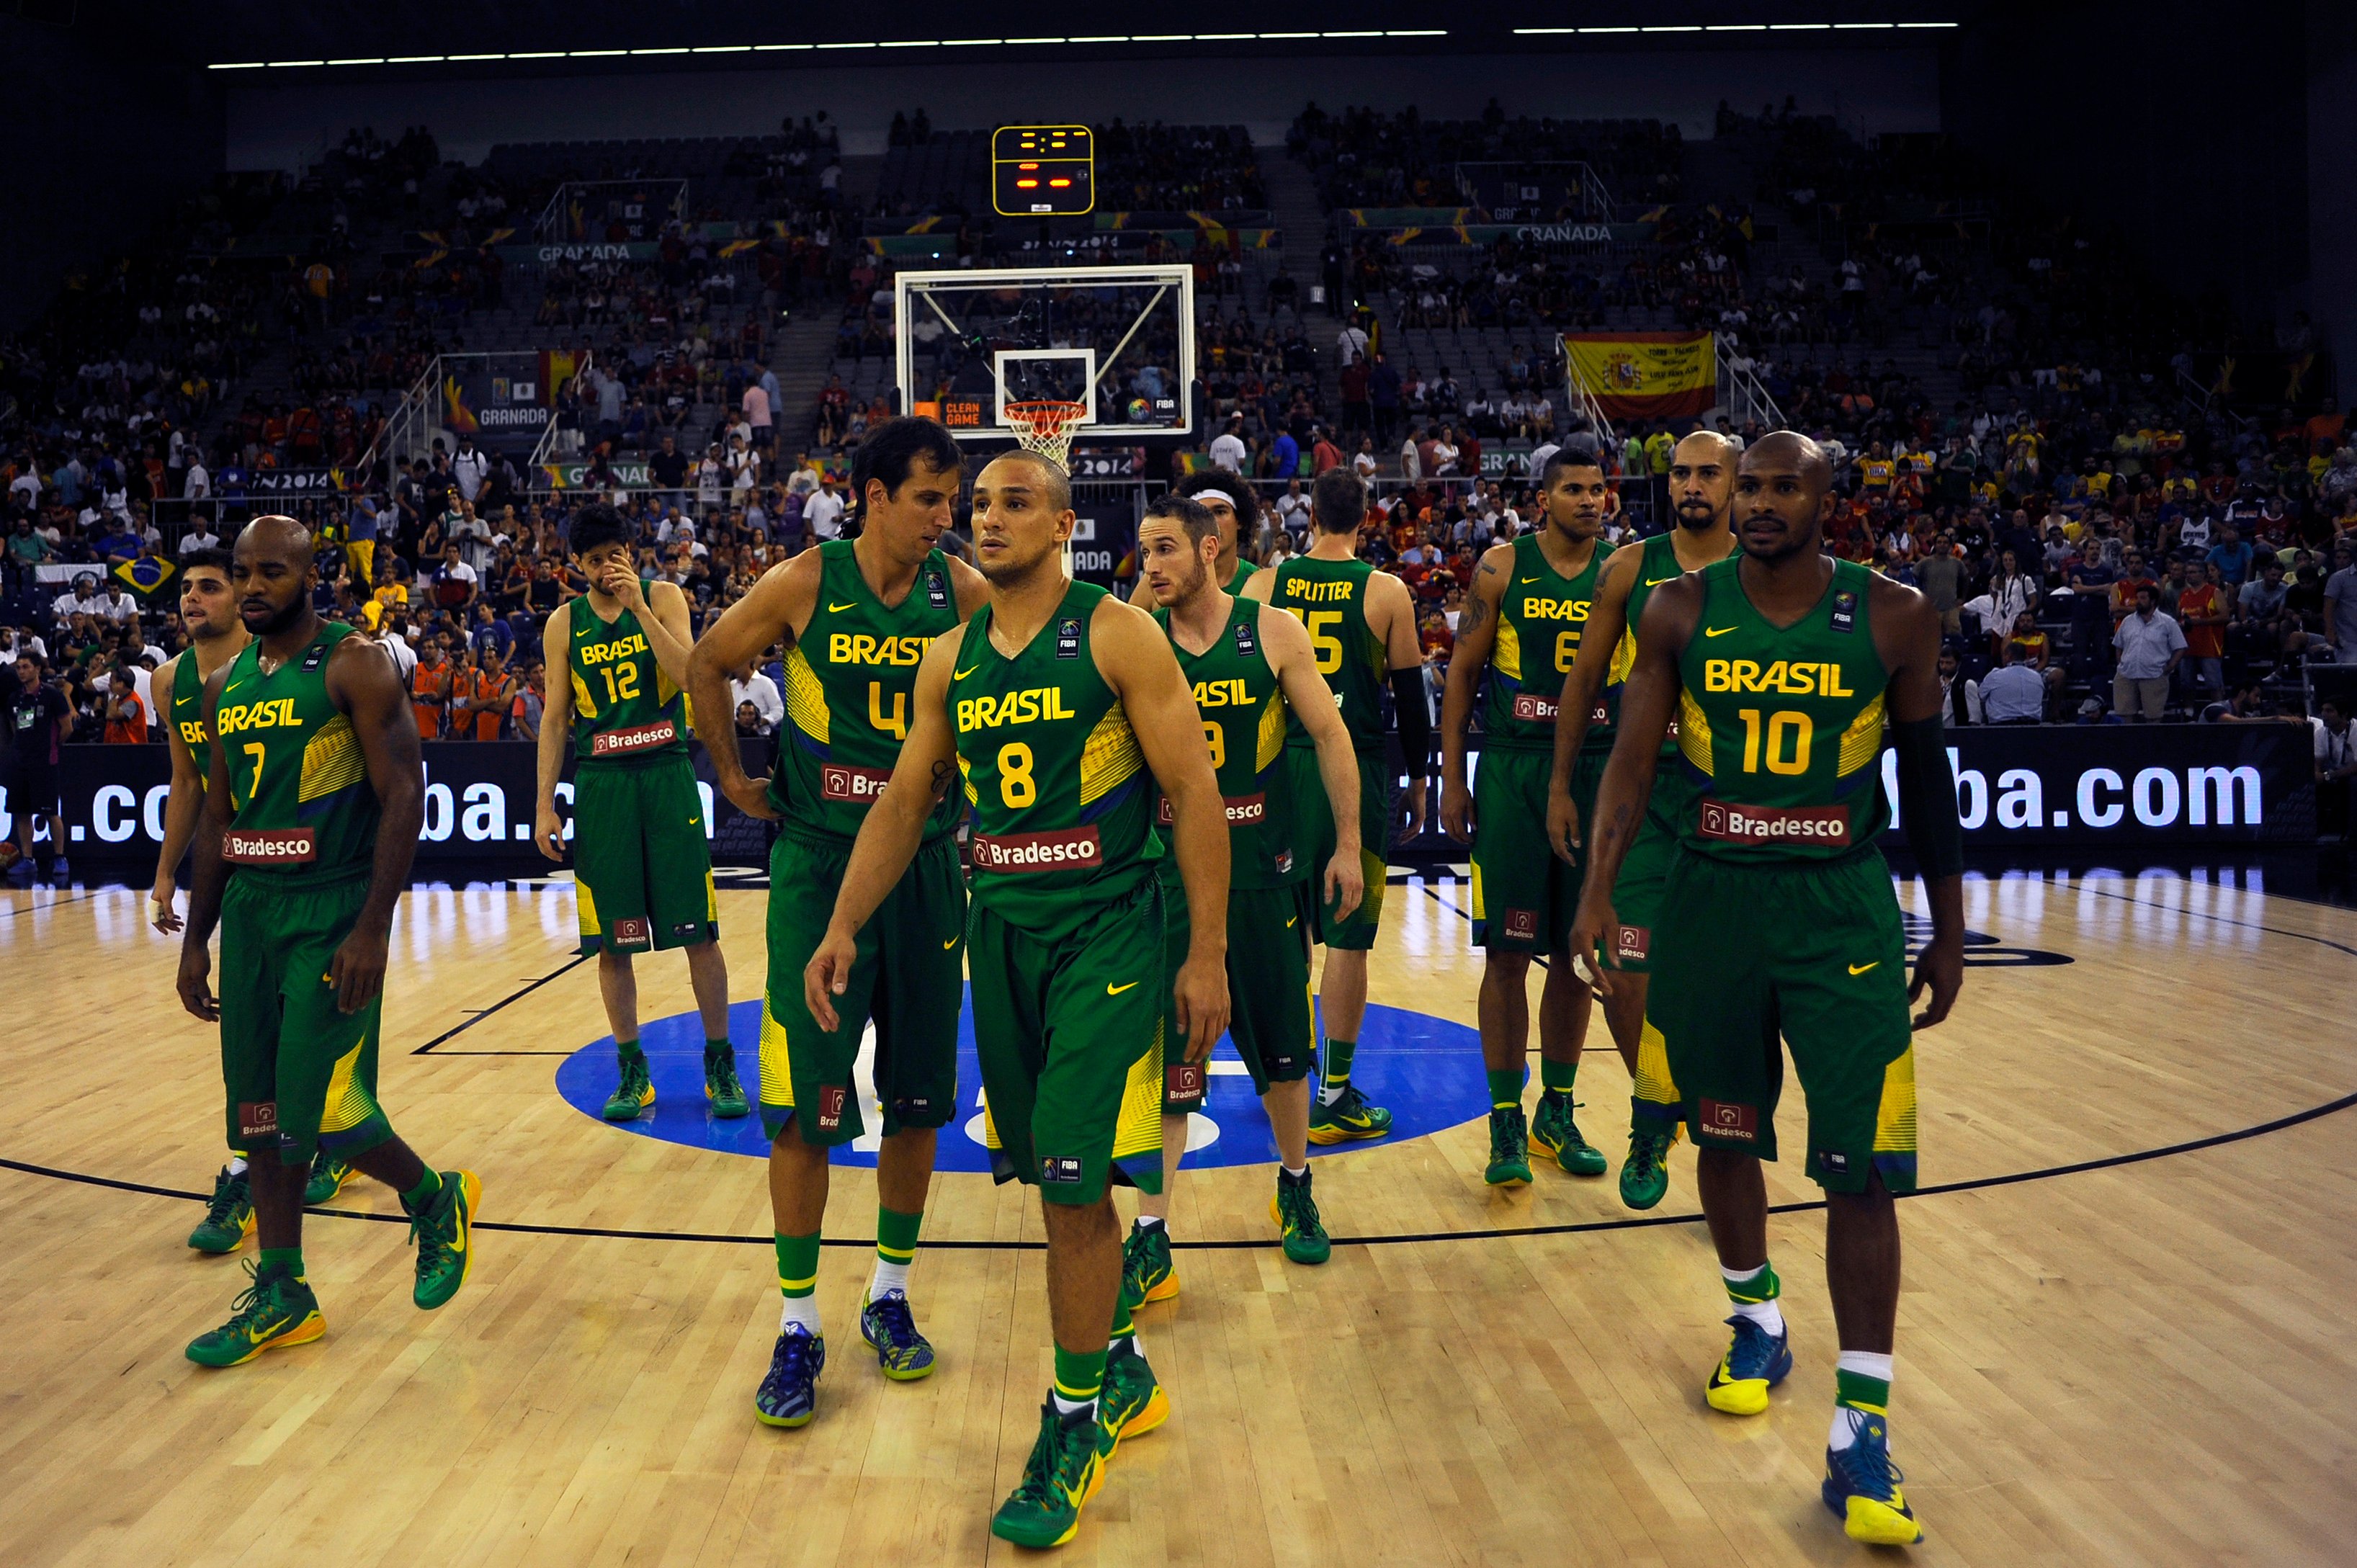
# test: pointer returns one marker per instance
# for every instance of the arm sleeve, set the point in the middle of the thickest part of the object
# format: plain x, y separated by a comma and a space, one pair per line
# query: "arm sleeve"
1927, 797
1414, 713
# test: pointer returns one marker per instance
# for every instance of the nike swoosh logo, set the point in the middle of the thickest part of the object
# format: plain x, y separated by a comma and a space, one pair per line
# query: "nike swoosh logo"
1530, 579
962, 674
693, 821
1862, 968
837, 610
949, 944
259, 1332
1288, 925
1111, 990
1657, 582
1716, 630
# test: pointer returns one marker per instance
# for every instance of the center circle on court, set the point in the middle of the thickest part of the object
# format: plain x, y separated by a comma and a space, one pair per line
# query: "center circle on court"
1426, 1070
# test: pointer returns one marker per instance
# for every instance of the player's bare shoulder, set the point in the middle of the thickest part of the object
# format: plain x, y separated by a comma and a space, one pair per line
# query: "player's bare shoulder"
1619, 578
967, 586
1282, 635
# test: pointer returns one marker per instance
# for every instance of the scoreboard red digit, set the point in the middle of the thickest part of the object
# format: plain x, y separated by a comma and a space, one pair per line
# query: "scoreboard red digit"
1037, 171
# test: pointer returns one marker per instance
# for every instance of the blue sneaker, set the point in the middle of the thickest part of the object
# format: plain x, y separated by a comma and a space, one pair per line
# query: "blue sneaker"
1755, 1361
890, 1330
786, 1397
1862, 1486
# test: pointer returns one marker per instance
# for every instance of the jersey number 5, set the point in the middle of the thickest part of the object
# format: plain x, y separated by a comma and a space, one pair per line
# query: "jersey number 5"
1328, 648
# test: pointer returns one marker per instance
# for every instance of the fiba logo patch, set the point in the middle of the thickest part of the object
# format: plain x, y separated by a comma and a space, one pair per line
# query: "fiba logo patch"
831, 1097
937, 592
1833, 1162
1633, 944
1059, 1170
1244, 644
1182, 1083
1738, 1123
1068, 646
1522, 925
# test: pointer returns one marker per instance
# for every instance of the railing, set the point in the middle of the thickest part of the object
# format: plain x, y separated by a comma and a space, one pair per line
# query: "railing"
546, 446
1742, 396
1577, 394
410, 429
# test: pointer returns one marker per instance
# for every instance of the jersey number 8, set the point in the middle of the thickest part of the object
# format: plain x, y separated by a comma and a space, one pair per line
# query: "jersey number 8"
1016, 785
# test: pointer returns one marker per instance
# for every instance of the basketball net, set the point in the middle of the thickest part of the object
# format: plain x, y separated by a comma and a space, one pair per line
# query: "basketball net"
1047, 427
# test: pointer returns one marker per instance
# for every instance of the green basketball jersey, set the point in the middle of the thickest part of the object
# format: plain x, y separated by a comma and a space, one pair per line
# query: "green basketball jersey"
850, 678
624, 706
1244, 715
1656, 566
1244, 570
188, 712
1063, 818
1330, 598
1541, 617
299, 786
1781, 726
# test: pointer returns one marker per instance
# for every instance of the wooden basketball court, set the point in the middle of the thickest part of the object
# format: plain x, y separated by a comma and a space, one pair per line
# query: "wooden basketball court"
2103, 1357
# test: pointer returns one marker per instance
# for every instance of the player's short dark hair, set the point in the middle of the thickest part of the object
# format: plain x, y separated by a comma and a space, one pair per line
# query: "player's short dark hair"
1337, 501
597, 524
216, 558
1570, 455
1239, 491
890, 451
1187, 512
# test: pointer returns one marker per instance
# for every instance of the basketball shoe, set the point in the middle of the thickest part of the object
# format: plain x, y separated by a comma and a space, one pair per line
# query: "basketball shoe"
1645, 1173
1755, 1361
228, 1215
1063, 1473
275, 1311
720, 1085
1296, 1213
329, 1175
787, 1395
1130, 1404
636, 1093
1862, 1485
1509, 1150
1147, 1273
1557, 1136
442, 1228
890, 1330
1348, 1118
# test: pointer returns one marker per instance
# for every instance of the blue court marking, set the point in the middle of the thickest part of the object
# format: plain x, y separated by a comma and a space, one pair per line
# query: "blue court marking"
1427, 1071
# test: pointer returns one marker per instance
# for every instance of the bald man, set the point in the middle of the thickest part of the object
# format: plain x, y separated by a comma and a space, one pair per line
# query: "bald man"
1787, 670
312, 807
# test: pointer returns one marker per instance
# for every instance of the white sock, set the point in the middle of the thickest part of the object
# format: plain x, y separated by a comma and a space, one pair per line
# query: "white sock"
1149, 1222
1328, 1094
1295, 1174
1766, 1314
802, 1311
237, 1164
1865, 1363
1066, 1407
889, 1277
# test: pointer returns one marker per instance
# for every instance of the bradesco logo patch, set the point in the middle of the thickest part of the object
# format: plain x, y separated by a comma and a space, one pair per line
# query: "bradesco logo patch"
632, 932
257, 1119
270, 846
638, 737
1732, 823
1737, 1123
1182, 1083
1059, 1170
841, 782
1633, 942
1065, 849
1532, 708
1522, 925
1244, 811
831, 1097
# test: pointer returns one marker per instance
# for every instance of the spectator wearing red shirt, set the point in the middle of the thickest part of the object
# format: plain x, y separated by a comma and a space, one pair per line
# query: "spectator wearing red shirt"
2201, 611
126, 715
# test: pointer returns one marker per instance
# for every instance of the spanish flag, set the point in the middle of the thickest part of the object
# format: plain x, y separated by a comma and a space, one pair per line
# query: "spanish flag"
1645, 375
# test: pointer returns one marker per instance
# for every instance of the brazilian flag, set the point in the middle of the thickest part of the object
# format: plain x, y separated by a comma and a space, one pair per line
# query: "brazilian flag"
146, 578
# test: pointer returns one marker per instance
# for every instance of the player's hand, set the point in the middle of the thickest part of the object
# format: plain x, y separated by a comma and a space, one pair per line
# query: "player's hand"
1457, 810
1201, 994
828, 976
196, 980
1414, 809
750, 795
1346, 883
1940, 967
622, 583
547, 832
1563, 825
1592, 942
357, 970
160, 913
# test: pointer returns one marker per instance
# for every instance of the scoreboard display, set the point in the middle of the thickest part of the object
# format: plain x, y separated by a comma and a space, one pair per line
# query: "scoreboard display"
1039, 171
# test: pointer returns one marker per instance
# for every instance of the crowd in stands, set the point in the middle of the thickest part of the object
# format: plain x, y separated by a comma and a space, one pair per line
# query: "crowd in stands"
1364, 158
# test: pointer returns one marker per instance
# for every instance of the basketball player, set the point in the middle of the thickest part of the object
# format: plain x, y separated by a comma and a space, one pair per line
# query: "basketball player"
642, 865
1361, 626
1052, 705
1235, 510
1523, 623
314, 797
1246, 662
858, 615
1787, 669
1701, 488
216, 636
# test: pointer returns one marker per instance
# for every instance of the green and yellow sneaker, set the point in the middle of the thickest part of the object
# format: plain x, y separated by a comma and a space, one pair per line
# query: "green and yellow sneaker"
1296, 1213
890, 1330
443, 1232
1347, 1119
1147, 1273
1063, 1473
275, 1311
329, 1175
1557, 1136
1645, 1174
228, 1215
1130, 1404
635, 1095
1509, 1150
720, 1085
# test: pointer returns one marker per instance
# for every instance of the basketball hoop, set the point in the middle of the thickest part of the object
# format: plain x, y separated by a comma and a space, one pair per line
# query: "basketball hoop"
1046, 427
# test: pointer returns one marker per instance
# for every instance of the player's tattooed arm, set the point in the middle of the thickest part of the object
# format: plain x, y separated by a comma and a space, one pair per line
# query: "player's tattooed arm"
945, 778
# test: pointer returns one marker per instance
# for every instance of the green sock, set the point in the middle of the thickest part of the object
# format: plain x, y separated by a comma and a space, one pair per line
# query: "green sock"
628, 1051
1338, 1070
1762, 1286
1859, 1391
1557, 1076
724, 1050
1079, 1376
1506, 1088
287, 1260
1124, 1333
895, 1249
798, 1280
418, 1197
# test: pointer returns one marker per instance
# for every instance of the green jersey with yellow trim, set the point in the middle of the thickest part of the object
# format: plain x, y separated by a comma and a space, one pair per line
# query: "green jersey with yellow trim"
298, 785
850, 678
1541, 616
1330, 598
624, 706
1657, 563
1244, 713
189, 713
1781, 726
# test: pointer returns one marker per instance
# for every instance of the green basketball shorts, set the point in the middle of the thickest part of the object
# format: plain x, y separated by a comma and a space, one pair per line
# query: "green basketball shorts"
1069, 1037
1269, 1015
1524, 897
642, 865
1814, 952
1313, 843
910, 977
1637, 890
298, 1074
